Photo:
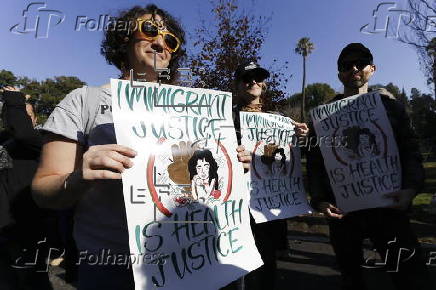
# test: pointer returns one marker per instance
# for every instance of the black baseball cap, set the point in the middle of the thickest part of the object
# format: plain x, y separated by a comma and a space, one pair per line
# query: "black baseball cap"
249, 69
355, 47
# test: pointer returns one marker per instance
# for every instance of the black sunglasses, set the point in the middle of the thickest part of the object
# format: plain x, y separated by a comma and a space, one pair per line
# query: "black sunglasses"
249, 78
360, 64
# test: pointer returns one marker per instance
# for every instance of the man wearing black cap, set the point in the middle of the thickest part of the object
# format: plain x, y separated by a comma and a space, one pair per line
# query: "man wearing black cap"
388, 228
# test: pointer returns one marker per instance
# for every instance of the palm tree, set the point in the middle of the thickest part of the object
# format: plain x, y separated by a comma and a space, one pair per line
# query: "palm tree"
304, 47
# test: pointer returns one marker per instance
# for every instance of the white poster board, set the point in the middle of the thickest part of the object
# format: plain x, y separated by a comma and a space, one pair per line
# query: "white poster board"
359, 150
187, 213
275, 181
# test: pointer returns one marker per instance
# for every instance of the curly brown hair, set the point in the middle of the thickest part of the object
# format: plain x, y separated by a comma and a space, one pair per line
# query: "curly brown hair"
115, 43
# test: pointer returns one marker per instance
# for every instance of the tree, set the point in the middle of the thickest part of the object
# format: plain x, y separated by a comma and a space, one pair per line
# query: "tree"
221, 44
316, 94
399, 95
48, 93
304, 48
423, 115
395, 91
403, 99
414, 93
421, 36
45, 94
7, 78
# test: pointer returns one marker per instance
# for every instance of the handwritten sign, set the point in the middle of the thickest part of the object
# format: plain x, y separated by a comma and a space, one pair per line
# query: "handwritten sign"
183, 200
276, 182
366, 165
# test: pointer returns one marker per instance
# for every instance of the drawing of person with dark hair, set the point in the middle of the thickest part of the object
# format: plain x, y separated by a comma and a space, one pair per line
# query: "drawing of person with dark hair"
275, 159
362, 142
203, 171
367, 145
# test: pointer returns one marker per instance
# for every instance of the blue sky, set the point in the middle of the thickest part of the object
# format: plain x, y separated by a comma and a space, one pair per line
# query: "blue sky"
329, 24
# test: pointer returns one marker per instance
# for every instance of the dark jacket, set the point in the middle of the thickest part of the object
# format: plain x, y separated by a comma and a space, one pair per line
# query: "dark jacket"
23, 143
411, 161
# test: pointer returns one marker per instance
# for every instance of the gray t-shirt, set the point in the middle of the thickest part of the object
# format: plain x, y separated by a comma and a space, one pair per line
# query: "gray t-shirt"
85, 116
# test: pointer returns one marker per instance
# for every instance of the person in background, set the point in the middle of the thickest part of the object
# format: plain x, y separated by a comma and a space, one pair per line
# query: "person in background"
270, 237
22, 224
381, 225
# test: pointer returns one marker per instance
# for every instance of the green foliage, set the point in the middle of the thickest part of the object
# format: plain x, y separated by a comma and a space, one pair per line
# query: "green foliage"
422, 111
423, 115
414, 93
7, 78
45, 94
48, 93
316, 94
304, 46
395, 91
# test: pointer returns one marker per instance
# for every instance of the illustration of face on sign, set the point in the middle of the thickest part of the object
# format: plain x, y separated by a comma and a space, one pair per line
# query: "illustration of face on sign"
274, 159
203, 171
361, 143
187, 173
270, 160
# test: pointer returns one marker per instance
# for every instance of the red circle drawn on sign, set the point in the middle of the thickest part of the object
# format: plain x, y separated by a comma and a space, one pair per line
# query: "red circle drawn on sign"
155, 196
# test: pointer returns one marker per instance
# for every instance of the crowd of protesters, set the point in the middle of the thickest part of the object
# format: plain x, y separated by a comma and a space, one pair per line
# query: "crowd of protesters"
73, 165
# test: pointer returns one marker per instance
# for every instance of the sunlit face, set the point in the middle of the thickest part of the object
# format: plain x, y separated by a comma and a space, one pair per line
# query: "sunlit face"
142, 52
355, 78
203, 168
364, 139
250, 89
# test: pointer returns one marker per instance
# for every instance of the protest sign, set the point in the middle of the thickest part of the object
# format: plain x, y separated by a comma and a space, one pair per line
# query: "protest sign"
359, 150
275, 181
186, 212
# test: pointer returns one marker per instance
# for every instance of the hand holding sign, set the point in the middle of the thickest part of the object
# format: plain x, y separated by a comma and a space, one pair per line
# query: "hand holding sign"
106, 161
301, 129
330, 211
244, 156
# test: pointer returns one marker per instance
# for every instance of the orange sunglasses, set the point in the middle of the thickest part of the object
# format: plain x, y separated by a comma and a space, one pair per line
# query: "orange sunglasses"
150, 31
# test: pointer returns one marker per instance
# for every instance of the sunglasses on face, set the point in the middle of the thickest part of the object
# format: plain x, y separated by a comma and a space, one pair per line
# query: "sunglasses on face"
360, 65
150, 31
249, 78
